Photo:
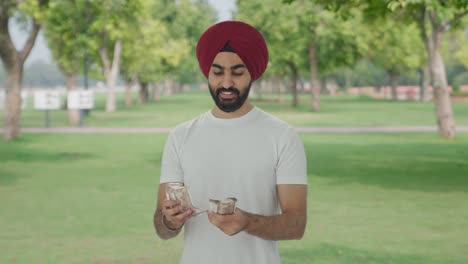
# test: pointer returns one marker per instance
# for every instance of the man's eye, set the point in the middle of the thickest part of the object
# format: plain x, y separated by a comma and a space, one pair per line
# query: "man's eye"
237, 73
218, 73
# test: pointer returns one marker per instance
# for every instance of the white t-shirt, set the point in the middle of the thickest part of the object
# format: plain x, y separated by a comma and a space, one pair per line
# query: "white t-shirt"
243, 157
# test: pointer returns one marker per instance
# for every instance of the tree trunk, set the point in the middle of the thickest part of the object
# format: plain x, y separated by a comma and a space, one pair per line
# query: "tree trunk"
13, 61
443, 105
128, 90
315, 87
111, 73
269, 87
144, 93
293, 84
12, 111
70, 84
424, 81
156, 92
323, 86
393, 78
347, 79
178, 87
261, 89
168, 87
282, 90
128, 94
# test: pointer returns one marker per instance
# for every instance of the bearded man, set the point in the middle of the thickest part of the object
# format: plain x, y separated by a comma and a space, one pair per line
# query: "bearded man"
233, 150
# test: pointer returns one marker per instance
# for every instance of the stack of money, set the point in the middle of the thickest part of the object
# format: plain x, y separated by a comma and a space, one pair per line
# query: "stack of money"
224, 207
177, 191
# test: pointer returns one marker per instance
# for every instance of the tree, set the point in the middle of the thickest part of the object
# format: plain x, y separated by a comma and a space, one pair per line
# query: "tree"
434, 18
461, 40
395, 47
150, 51
441, 16
186, 20
65, 30
286, 43
168, 35
334, 43
112, 20
32, 14
303, 33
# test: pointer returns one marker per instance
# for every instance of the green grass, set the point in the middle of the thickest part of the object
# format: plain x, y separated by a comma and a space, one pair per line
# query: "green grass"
344, 110
373, 198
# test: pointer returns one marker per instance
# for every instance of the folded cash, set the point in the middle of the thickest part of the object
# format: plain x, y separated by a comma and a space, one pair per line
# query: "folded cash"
224, 207
177, 191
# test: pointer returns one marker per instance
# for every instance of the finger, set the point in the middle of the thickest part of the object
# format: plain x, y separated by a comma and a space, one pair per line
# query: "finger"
181, 218
170, 203
173, 211
210, 216
215, 219
184, 216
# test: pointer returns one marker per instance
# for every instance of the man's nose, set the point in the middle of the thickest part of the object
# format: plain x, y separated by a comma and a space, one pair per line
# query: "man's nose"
227, 81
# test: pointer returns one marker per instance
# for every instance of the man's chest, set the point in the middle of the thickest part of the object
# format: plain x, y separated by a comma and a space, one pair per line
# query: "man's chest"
229, 165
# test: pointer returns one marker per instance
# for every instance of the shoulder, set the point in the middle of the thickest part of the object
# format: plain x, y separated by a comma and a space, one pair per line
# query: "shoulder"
274, 125
182, 130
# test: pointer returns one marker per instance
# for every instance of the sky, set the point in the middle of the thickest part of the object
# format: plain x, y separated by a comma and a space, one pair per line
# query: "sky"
41, 52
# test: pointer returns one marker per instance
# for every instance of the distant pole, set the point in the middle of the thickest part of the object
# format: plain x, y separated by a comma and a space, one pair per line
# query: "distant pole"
85, 70
86, 59
47, 119
81, 117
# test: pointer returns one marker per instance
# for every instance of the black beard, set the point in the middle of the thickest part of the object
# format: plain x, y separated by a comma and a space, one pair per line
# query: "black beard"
231, 105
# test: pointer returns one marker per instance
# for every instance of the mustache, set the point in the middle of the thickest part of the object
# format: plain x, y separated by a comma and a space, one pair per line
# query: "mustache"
230, 89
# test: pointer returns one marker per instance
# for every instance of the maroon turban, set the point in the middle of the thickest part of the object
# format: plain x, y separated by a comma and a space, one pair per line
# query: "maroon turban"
246, 41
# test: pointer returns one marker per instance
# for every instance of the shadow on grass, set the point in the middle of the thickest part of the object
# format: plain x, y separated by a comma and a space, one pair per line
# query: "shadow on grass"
408, 166
333, 254
8, 177
18, 153
34, 155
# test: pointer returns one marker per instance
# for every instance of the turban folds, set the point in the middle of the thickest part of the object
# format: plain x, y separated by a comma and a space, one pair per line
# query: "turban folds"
247, 42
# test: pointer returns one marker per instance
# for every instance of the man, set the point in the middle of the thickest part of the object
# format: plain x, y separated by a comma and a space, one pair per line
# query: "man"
234, 150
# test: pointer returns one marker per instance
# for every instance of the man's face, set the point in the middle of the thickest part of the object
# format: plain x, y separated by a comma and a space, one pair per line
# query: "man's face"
229, 81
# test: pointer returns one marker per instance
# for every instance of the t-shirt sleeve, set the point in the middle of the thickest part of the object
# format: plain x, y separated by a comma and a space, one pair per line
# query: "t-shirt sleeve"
171, 169
292, 162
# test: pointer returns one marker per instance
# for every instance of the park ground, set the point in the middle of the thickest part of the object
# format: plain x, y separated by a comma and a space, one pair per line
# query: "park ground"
373, 197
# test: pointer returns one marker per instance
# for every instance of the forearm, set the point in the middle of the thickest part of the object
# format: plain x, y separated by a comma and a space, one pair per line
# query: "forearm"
278, 227
163, 231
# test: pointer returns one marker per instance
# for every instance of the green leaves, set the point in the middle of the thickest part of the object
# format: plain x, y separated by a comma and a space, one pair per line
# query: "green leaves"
290, 29
35, 9
396, 47
395, 4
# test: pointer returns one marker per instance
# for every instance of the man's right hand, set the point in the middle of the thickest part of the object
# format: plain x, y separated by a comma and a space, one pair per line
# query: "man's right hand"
173, 216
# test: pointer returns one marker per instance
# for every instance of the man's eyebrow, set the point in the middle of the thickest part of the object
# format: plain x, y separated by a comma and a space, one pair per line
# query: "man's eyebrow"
237, 66
217, 66
234, 67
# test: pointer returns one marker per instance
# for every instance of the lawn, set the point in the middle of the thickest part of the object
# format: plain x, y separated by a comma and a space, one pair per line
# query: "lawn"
373, 198
343, 110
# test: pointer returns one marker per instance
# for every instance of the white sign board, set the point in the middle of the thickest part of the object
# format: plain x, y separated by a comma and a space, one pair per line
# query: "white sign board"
46, 100
82, 99
24, 100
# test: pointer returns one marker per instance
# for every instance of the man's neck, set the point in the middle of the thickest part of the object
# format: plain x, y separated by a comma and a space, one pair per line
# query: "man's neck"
245, 108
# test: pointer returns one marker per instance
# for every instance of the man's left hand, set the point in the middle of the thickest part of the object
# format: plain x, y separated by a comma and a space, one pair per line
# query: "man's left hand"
229, 224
